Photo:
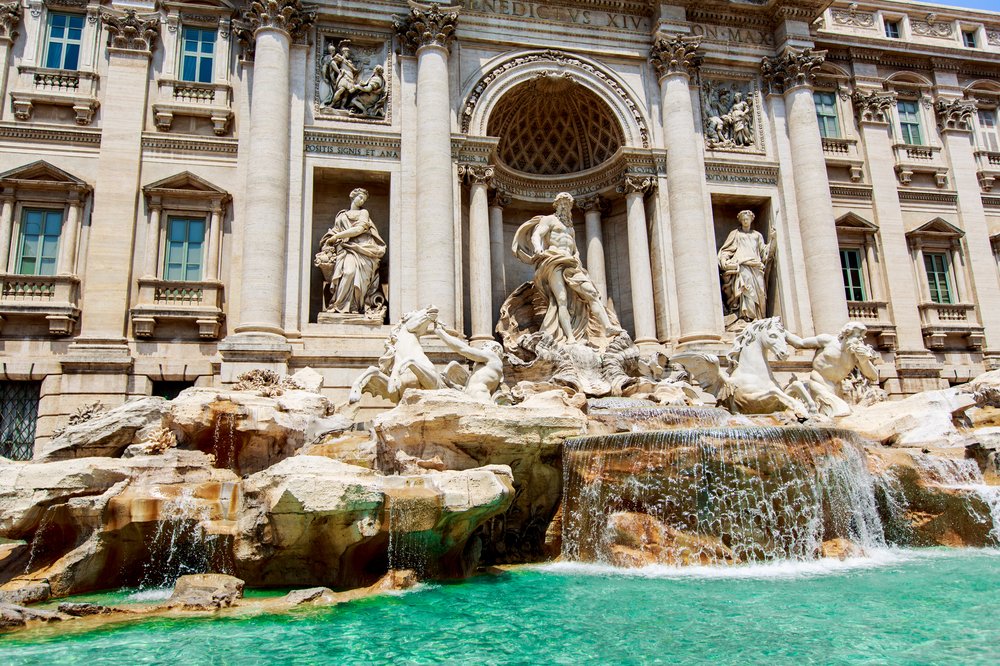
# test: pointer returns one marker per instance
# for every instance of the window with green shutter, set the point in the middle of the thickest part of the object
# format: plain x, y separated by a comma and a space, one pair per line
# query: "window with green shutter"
64, 35
197, 54
938, 279
38, 246
988, 137
909, 122
826, 114
183, 254
850, 266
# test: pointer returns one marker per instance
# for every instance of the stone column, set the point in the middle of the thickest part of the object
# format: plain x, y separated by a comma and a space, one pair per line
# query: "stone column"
641, 275
592, 208
699, 302
792, 73
497, 250
873, 116
480, 280
6, 230
214, 241
268, 28
70, 237
150, 267
10, 17
955, 122
429, 32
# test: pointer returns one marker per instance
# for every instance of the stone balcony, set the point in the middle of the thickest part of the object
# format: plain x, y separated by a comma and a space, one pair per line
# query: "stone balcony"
940, 321
844, 153
987, 168
54, 298
40, 86
202, 100
875, 316
162, 301
912, 159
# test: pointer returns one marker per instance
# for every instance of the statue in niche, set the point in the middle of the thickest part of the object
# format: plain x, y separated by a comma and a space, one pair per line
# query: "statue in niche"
570, 305
728, 116
745, 262
345, 93
349, 257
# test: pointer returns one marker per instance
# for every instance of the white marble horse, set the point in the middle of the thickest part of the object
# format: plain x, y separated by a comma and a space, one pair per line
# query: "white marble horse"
748, 386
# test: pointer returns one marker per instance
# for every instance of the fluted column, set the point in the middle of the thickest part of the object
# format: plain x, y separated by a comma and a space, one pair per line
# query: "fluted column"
480, 280
497, 253
70, 236
955, 122
699, 303
428, 33
792, 73
872, 109
594, 239
640, 274
267, 28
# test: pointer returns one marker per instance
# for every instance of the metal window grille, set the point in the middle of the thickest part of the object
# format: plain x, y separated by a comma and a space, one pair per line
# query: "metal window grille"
18, 418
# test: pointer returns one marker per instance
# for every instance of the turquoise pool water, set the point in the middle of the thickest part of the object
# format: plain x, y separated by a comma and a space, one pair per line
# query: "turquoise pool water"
899, 607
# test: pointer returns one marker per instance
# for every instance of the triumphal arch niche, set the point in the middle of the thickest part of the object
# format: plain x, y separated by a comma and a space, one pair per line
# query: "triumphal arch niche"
543, 122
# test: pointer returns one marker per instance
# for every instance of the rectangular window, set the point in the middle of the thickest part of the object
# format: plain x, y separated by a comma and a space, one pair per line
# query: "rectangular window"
64, 34
185, 238
989, 138
938, 279
18, 418
38, 246
892, 29
850, 266
969, 38
909, 122
197, 54
826, 115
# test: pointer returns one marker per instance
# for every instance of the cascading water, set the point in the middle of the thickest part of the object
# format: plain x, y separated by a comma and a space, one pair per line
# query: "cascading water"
710, 495
407, 550
964, 475
626, 417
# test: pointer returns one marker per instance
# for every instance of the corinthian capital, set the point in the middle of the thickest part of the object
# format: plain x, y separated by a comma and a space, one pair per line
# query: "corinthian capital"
636, 185
955, 114
130, 32
474, 173
10, 17
873, 107
290, 16
675, 54
426, 27
791, 69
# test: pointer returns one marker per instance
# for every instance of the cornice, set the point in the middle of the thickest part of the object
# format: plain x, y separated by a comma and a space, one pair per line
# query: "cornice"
32, 134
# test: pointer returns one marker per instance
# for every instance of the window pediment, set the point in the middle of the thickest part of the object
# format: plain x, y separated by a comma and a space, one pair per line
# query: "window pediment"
186, 190
937, 228
42, 175
852, 222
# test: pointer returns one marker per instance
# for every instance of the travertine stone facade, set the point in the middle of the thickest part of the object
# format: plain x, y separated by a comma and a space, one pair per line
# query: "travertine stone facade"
168, 171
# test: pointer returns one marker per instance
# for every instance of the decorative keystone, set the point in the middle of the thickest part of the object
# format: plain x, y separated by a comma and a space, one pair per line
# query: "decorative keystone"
791, 69
290, 16
10, 18
130, 32
873, 107
426, 27
636, 185
955, 114
472, 173
675, 54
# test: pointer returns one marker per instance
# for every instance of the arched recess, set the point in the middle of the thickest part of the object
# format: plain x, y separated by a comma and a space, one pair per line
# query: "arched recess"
506, 72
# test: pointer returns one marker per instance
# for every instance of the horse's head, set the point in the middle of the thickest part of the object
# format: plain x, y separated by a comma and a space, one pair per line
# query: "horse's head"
420, 322
768, 333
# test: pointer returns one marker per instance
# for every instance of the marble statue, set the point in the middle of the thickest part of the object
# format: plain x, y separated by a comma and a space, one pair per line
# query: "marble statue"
748, 385
345, 92
837, 358
349, 257
404, 363
369, 97
573, 308
487, 372
745, 261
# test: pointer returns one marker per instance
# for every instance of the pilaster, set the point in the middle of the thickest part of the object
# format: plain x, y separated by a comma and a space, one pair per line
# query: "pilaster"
480, 279
640, 274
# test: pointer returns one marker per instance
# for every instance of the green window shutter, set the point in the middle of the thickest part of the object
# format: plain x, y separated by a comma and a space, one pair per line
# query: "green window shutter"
38, 246
850, 266
183, 255
938, 278
909, 122
826, 115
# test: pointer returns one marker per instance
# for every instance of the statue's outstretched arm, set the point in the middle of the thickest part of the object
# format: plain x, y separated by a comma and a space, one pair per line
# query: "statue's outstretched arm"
814, 342
460, 346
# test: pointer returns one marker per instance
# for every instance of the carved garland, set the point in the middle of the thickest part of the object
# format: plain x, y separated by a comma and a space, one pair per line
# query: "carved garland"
129, 32
854, 18
559, 58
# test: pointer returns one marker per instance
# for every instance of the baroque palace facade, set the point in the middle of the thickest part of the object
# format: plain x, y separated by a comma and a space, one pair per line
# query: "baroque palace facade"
169, 169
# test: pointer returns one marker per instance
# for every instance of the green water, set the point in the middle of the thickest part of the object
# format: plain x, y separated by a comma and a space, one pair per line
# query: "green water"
903, 607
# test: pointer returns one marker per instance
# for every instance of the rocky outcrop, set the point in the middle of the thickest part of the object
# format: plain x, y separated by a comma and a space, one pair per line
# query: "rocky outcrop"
210, 591
108, 433
313, 520
463, 434
638, 540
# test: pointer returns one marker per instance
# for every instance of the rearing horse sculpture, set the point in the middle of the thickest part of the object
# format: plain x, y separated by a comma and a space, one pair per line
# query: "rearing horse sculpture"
748, 386
404, 364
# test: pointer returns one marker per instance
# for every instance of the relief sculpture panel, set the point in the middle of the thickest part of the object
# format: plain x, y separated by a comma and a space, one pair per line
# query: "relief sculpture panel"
729, 115
352, 78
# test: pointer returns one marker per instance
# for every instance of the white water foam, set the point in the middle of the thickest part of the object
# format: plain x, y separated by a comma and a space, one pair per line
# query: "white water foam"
155, 594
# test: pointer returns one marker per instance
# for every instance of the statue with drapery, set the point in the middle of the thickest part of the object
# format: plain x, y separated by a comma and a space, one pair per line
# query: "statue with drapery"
744, 262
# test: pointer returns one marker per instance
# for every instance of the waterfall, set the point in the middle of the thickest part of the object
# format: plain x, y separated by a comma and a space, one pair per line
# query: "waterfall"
407, 548
712, 495
625, 417
964, 475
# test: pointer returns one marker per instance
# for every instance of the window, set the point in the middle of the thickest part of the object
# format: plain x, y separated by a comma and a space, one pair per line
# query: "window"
197, 54
989, 139
38, 246
62, 45
185, 237
850, 266
826, 115
909, 122
938, 280
892, 29
969, 38
18, 417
